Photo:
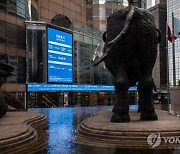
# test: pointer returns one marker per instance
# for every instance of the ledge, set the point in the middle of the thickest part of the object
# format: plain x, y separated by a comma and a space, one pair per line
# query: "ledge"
22, 132
98, 130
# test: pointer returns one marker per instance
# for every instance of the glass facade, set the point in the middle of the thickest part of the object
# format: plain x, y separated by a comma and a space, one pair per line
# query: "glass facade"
19, 64
20, 8
99, 10
35, 54
87, 41
12, 35
30, 66
173, 6
117, 2
149, 3
13, 43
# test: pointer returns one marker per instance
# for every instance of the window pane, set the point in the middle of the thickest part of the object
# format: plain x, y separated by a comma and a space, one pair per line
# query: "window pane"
10, 31
2, 29
21, 78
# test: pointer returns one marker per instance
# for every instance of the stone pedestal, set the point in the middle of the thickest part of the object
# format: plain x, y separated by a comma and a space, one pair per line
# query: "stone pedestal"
22, 132
99, 131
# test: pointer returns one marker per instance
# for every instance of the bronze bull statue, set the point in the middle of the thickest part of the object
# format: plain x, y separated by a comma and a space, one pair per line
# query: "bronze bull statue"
130, 52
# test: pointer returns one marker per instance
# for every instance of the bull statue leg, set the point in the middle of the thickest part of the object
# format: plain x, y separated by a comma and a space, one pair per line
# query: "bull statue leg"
121, 81
121, 108
145, 89
147, 55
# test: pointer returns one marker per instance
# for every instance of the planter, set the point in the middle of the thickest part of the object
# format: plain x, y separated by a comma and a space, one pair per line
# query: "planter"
175, 99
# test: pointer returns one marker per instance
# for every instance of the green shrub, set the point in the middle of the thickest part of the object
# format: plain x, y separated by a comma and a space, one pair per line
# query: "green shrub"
178, 82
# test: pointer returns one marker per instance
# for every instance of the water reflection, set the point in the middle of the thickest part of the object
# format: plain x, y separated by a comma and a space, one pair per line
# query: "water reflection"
62, 125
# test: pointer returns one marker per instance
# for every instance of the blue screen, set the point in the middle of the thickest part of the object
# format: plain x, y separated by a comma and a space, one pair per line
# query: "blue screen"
60, 49
71, 87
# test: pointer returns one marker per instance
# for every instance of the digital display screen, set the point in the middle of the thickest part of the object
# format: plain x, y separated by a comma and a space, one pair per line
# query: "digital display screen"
71, 87
60, 53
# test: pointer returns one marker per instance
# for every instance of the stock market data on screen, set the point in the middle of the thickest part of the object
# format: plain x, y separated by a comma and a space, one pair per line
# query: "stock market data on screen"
60, 56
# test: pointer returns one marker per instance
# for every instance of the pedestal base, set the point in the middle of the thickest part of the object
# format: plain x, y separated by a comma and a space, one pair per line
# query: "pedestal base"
99, 131
22, 132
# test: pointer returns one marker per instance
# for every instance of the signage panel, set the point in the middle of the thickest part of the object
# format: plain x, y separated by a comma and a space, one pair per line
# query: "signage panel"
60, 56
70, 87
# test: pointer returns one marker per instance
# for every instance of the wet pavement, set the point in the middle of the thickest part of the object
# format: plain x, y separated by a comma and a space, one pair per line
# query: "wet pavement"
62, 129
